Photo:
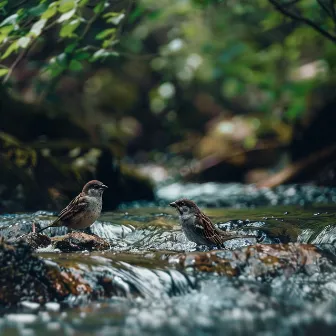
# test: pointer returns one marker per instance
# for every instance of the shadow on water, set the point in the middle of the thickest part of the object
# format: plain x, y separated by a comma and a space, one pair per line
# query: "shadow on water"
163, 285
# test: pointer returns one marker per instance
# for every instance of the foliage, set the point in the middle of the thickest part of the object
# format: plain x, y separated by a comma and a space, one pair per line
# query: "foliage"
233, 55
28, 23
247, 54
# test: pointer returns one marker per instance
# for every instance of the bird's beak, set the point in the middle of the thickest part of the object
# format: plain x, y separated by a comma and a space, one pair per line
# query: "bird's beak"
173, 204
103, 186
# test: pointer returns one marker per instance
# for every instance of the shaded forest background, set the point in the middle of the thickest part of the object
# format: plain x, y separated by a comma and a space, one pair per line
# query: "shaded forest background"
139, 92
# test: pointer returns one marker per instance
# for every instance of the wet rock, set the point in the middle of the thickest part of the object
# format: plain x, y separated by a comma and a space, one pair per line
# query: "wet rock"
36, 240
80, 241
26, 277
23, 277
257, 260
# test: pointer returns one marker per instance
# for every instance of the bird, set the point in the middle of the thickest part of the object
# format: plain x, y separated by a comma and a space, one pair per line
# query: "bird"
198, 227
83, 210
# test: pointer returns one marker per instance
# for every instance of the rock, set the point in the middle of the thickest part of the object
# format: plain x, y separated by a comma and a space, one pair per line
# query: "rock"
36, 240
259, 261
80, 241
25, 277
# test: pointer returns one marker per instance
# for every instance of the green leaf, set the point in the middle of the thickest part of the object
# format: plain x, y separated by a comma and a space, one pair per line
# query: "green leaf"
66, 16
81, 55
55, 70
75, 65
136, 13
99, 8
3, 72
66, 5
50, 12
23, 42
105, 33
11, 20
37, 10
83, 2
13, 47
71, 47
59, 60
3, 4
103, 53
4, 32
68, 29
116, 19
37, 27
296, 109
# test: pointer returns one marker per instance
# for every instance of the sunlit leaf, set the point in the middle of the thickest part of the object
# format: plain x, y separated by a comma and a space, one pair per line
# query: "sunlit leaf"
66, 16
60, 60
23, 42
99, 8
102, 53
116, 19
50, 12
37, 27
68, 29
105, 33
13, 47
11, 20
4, 32
3, 72
66, 5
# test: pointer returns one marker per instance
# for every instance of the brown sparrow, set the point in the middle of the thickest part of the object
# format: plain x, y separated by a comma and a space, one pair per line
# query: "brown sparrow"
83, 210
199, 228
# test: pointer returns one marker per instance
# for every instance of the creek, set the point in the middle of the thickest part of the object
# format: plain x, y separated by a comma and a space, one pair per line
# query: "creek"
162, 284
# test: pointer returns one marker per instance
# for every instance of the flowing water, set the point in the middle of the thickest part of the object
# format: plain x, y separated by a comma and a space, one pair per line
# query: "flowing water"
155, 293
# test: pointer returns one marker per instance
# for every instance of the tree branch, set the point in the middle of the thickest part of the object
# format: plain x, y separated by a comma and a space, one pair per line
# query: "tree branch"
328, 11
22, 54
299, 18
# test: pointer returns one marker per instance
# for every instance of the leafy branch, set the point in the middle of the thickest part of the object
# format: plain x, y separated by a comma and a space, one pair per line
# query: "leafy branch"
20, 31
290, 9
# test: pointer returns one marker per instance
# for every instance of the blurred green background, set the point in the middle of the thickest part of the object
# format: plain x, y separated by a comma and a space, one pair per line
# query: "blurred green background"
140, 92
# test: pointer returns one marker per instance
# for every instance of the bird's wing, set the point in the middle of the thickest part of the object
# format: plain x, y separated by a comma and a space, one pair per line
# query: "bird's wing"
210, 231
215, 235
78, 204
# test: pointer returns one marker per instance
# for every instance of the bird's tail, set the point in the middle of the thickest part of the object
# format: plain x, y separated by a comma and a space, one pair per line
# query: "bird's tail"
53, 224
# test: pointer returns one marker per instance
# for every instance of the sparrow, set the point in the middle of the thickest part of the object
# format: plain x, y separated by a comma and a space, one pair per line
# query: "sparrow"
198, 227
83, 210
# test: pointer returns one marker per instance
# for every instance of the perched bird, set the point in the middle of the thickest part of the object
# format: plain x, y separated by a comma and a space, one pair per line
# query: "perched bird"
83, 210
198, 227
